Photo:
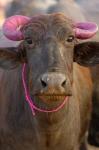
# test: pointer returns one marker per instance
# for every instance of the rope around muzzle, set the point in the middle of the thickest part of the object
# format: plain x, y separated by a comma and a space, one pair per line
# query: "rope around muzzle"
33, 107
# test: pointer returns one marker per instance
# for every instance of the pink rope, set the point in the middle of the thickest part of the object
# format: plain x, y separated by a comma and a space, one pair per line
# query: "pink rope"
29, 100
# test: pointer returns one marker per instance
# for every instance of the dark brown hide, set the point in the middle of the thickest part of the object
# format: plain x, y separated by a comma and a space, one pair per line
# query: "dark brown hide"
91, 12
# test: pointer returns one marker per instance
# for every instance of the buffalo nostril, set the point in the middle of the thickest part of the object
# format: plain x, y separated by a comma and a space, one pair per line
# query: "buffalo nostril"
44, 84
63, 83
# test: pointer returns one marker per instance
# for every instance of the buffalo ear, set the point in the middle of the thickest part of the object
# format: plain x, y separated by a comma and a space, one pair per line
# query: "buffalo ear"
87, 54
11, 58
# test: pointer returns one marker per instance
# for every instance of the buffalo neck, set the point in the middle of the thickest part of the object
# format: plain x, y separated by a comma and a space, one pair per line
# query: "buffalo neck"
57, 128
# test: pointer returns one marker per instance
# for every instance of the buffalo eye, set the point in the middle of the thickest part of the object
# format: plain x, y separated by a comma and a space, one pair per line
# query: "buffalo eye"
70, 38
29, 41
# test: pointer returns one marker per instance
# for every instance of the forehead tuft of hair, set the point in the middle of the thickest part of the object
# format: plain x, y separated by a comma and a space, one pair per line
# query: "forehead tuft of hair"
55, 18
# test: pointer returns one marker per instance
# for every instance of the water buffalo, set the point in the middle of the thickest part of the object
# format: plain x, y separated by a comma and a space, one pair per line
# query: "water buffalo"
46, 87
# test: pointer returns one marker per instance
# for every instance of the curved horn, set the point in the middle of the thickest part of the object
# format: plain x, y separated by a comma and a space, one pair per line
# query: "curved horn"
11, 27
85, 30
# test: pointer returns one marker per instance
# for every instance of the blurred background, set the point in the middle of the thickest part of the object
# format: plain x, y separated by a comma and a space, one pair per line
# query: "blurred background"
26, 7
88, 9
78, 10
3, 5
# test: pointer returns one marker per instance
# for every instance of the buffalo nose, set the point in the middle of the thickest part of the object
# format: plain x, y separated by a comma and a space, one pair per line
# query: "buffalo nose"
53, 80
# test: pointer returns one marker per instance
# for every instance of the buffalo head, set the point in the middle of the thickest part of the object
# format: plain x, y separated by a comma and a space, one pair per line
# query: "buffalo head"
49, 47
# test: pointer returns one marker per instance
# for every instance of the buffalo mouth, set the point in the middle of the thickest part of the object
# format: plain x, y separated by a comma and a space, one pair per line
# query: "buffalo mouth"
51, 98
50, 102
